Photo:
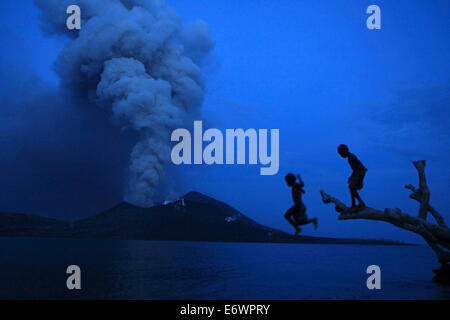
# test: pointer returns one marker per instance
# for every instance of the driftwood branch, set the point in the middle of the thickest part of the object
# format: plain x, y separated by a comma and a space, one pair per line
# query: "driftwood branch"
437, 235
422, 195
424, 198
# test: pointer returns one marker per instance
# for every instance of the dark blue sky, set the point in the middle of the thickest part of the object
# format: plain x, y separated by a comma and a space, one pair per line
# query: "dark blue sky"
311, 69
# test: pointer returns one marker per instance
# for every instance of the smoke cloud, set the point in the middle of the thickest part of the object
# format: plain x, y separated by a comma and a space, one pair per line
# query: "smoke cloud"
140, 60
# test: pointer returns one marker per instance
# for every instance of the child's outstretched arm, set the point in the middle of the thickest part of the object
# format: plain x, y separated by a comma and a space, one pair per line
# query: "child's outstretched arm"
300, 181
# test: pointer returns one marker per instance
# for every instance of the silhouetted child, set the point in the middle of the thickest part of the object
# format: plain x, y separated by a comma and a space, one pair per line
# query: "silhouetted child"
296, 215
356, 180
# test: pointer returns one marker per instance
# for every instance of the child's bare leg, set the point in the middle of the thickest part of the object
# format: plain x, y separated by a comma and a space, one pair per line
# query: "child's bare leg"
290, 219
316, 222
353, 195
313, 220
361, 202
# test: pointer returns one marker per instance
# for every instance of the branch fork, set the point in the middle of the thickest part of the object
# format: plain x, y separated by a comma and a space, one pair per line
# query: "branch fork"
437, 235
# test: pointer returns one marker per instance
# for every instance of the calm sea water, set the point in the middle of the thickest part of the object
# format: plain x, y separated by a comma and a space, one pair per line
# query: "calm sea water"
36, 269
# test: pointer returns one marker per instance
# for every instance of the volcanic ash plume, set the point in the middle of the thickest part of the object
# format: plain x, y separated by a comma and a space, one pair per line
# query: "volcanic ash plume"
141, 60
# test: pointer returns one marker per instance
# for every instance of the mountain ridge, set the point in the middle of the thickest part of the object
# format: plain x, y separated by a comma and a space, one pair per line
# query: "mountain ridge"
194, 217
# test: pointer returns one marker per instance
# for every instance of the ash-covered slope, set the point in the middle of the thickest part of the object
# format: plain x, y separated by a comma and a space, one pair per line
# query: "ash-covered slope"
183, 220
195, 196
195, 217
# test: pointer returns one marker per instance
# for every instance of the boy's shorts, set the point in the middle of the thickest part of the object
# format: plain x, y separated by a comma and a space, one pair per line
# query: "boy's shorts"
298, 212
357, 180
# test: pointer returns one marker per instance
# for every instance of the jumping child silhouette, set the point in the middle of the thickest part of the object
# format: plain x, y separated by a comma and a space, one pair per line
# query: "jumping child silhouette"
296, 215
356, 180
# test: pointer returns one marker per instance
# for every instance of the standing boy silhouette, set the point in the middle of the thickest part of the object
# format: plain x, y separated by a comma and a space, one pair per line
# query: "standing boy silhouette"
356, 180
296, 215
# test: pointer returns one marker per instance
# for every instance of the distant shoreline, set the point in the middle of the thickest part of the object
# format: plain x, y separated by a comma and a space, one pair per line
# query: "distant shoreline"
331, 241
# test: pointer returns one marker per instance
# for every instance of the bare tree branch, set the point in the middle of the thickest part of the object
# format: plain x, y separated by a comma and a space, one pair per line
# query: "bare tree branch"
416, 195
423, 187
437, 236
